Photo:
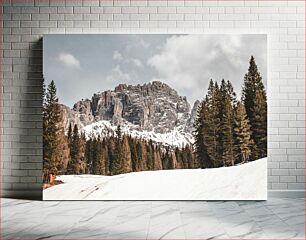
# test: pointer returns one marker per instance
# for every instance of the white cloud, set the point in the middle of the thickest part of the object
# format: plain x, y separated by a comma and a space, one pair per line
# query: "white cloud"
69, 60
137, 62
188, 62
117, 56
118, 76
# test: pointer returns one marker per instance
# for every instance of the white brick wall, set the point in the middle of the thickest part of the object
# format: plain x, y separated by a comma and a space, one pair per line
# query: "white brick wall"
24, 22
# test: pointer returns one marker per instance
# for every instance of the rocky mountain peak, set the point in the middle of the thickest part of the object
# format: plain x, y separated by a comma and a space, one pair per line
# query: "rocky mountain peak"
153, 106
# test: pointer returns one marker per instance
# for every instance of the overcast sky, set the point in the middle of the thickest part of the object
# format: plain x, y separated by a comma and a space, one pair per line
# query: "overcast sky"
82, 65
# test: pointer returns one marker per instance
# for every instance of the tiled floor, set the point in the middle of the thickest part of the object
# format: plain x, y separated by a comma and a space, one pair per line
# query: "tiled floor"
272, 219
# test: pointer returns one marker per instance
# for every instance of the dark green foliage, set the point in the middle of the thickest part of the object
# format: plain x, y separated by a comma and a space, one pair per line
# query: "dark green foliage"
228, 132
77, 163
112, 155
226, 136
55, 151
243, 134
255, 101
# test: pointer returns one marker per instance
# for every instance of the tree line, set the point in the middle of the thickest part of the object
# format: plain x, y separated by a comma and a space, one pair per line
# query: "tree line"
119, 153
228, 131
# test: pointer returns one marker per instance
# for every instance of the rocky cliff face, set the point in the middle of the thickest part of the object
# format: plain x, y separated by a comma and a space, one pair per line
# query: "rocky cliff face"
152, 107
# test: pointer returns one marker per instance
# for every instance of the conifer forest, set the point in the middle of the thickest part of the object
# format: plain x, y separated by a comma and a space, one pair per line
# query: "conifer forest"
227, 131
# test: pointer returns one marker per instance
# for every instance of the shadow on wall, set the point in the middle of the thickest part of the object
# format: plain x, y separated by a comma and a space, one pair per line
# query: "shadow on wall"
31, 144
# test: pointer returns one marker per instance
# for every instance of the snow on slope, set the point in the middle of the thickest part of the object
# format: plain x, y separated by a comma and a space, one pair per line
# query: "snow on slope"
243, 182
173, 138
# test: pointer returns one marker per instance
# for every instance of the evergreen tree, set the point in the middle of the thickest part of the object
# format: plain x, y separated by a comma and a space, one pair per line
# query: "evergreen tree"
226, 136
89, 155
117, 166
199, 135
69, 134
76, 164
259, 125
150, 156
212, 124
243, 134
126, 153
111, 146
99, 166
134, 155
157, 159
173, 161
55, 151
255, 101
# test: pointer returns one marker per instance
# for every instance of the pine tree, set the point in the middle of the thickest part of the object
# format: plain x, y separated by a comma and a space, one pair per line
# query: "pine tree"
173, 161
117, 166
111, 146
157, 159
243, 134
54, 140
126, 153
69, 134
200, 148
259, 125
255, 101
76, 163
211, 127
226, 136
150, 156
99, 166
134, 154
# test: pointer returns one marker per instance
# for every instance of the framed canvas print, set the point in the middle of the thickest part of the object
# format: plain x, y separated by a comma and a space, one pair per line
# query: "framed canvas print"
155, 117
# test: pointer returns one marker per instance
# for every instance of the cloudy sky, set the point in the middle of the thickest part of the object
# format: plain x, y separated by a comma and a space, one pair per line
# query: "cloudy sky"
82, 65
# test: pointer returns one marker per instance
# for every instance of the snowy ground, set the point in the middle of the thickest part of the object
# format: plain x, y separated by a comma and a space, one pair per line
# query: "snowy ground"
243, 182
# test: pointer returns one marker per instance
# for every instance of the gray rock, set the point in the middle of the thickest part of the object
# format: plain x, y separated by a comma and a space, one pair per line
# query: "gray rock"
153, 106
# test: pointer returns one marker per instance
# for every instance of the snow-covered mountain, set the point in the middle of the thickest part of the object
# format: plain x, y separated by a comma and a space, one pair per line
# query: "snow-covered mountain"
174, 137
150, 111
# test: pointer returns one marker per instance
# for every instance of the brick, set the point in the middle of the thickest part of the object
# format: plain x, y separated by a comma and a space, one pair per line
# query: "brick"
82, 24
21, 16
62, 10
47, 24
73, 16
74, 3
91, 16
40, 16
91, 3
159, 3
287, 179
137, 3
81, 10
166, 10
96, 10
129, 10
185, 9
98, 24
130, 24
11, 24
57, 17
48, 10
147, 9
103, 17
176, 17
296, 186
112, 10
141, 17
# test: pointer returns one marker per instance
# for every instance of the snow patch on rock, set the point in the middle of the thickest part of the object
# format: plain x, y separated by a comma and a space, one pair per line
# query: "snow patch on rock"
176, 137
